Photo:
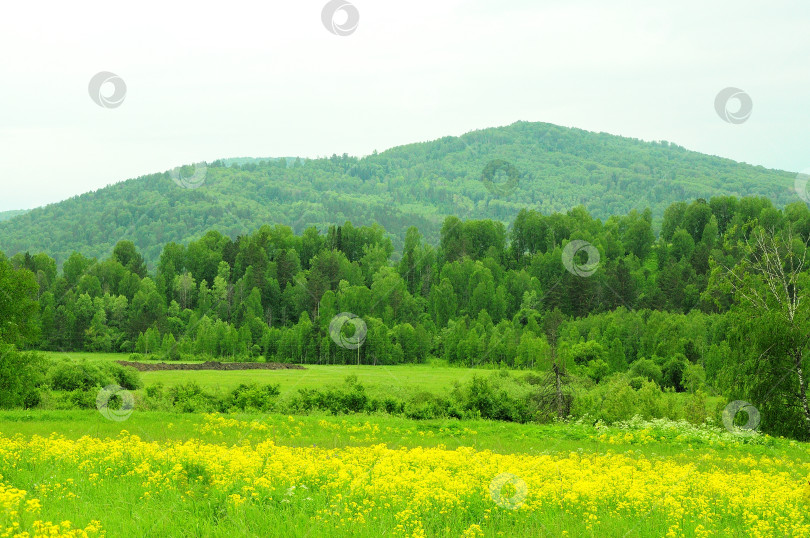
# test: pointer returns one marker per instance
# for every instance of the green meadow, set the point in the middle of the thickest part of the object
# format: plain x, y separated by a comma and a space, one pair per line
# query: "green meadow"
396, 380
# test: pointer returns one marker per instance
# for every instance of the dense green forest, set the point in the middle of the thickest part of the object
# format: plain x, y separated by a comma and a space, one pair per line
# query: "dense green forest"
696, 307
487, 174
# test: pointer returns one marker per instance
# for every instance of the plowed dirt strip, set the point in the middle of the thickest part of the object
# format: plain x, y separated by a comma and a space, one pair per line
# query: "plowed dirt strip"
210, 365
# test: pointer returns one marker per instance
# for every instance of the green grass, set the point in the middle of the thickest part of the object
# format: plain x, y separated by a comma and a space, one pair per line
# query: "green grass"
178, 493
400, 381
174, 474
85, 355
393, 431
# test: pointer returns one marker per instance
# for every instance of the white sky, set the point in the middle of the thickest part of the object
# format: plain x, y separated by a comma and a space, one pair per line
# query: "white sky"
229, 79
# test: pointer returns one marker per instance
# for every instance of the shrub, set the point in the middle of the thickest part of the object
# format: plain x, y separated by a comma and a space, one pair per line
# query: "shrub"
20, 378
620, 401
426, 405
389, 405
694, 377
74, 399
672, 372
70, 375
154, 398
647, 369
125, 376
252, 396
349, 398
82, 399
497, 398
190, 398
696, 411
533, 379
650, 401
620, 397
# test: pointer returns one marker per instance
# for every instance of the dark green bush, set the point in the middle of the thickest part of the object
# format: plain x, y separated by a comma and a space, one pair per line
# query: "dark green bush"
154, 391
155, 398
252, 396
637, 382
647, 369
620, 397
125, 376
533, 379
73, 399
70, 375
387, 405
190, 398
672, 372
20, 378
349, 398
497, 398
426, 405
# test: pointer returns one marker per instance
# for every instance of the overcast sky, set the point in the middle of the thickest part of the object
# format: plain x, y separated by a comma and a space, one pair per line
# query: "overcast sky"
206, 80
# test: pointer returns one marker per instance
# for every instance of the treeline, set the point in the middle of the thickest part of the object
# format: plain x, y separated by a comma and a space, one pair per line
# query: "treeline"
479, 297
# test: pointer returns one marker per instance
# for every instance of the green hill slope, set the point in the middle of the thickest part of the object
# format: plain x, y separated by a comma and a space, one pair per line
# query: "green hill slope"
550, 168
6, 215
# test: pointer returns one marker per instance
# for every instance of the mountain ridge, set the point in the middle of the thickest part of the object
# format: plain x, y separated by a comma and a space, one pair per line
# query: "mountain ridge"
551, 168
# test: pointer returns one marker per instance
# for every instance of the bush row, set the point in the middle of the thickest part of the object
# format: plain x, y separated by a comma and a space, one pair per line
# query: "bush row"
497, 397
29, 380
529, 397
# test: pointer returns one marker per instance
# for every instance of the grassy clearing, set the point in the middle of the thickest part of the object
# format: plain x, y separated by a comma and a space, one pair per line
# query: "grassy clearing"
85, 355
400, 381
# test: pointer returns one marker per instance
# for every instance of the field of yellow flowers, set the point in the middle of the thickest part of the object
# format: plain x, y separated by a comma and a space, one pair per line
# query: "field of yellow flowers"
223, 475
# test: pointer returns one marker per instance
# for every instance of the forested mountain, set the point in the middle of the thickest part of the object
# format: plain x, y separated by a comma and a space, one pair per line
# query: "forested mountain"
5, 215
491, 173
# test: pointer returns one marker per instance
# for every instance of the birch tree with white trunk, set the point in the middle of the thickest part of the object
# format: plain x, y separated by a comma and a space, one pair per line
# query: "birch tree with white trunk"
772, 326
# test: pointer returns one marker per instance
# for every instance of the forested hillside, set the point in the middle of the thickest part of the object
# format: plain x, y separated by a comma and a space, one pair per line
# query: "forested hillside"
5, 215
491, 173
667, 310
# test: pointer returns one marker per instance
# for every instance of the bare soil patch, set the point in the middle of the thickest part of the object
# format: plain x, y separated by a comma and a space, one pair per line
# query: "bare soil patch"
209, 365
